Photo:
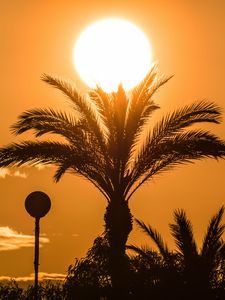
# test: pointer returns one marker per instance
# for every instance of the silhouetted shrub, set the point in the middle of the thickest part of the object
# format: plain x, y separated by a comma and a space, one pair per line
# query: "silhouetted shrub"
89, 277
10, 290
47, 290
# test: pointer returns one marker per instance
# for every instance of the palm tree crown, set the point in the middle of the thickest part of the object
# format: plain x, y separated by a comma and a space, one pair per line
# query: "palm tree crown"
199, 268
103, 130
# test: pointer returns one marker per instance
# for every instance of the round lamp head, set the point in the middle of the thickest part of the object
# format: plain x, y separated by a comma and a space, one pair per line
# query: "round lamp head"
37, 204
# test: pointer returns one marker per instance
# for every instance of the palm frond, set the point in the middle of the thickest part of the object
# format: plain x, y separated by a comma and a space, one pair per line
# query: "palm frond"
66, 157
117, 147
178, 120
140, 107
44, 121
61, 170
139, 111
32, 153
103, 102
156, 237
222, 251
141, 102
136, 121
183, 234
212, 240
157, 84
174, 123
100, 182
82, 105
140, 250
179, 149
192, 144
143, 87
120, 102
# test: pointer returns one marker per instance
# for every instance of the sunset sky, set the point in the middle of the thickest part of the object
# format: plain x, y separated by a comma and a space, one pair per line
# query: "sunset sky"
188, 41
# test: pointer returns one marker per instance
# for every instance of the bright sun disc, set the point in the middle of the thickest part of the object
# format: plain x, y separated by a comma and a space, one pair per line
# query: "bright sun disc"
110, 52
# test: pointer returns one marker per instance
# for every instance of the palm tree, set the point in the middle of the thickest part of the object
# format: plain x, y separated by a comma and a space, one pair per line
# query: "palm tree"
104, 143
199, 269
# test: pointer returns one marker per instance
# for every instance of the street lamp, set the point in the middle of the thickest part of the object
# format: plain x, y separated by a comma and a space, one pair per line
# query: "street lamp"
37, 204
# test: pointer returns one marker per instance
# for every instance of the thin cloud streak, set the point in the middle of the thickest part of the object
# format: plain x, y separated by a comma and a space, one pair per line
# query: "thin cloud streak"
41, 167
10, 239
41, 276
7, 172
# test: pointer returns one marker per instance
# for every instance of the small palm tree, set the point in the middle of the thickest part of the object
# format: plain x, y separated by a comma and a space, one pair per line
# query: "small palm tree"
104, 143
199, 269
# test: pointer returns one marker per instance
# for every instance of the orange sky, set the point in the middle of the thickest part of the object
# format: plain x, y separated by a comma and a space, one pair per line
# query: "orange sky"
38, 37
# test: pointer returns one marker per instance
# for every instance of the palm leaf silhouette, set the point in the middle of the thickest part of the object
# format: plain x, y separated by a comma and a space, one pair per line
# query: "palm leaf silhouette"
199, 270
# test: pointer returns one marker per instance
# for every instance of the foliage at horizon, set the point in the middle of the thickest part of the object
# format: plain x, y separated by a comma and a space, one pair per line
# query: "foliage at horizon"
156, 274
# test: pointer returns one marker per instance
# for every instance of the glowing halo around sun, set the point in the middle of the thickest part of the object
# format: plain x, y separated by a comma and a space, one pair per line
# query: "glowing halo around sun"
110, 52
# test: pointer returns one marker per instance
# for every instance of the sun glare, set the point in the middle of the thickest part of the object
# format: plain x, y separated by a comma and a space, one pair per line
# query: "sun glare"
110, 52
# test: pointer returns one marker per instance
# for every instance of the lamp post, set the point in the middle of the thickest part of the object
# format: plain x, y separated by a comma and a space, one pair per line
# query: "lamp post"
37, 204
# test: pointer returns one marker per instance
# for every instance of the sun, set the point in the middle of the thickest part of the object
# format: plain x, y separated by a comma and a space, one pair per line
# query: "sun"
112, 51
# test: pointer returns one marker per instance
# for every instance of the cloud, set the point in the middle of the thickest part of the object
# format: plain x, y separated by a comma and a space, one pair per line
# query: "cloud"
4, 172
42, 166
50, 276
12, 173
7, 172
19, 174
41, 276
10, 239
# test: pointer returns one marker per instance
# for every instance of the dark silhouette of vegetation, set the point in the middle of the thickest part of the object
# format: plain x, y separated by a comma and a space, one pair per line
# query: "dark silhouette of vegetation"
89, 277
10, 290
47, 290
193, 273
186, 273
104, 143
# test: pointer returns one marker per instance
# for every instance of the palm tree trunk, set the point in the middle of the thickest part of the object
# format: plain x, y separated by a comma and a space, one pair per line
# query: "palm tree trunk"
118, 223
